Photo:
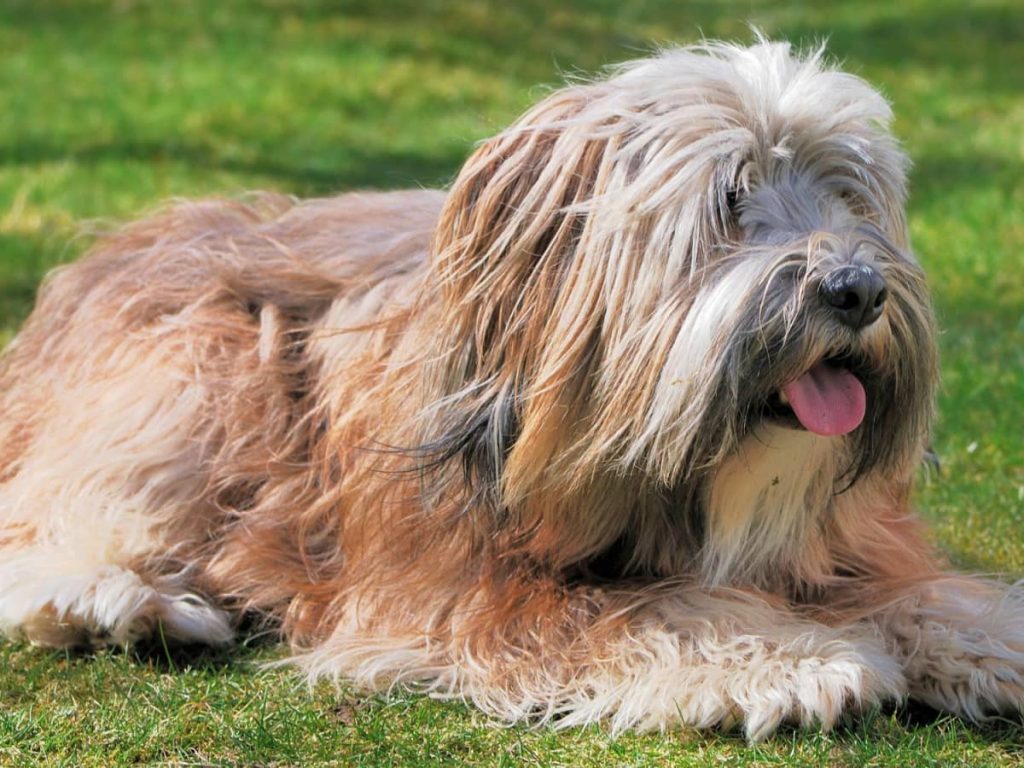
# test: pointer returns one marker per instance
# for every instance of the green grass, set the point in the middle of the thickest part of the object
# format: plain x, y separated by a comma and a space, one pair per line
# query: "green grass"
108, 107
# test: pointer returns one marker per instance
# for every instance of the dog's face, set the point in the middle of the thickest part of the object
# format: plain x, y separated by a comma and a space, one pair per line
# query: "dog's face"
648, 272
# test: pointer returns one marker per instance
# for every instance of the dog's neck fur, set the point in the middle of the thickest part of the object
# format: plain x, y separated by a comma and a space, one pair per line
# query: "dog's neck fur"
763, 503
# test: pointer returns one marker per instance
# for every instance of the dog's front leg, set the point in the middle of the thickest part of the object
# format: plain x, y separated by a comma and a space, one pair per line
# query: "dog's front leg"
732, 656
651, 659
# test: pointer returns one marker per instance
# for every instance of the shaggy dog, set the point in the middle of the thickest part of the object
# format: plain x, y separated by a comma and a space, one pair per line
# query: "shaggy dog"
622, 427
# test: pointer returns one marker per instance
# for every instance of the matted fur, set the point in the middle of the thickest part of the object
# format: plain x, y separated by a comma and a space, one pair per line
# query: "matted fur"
507, 443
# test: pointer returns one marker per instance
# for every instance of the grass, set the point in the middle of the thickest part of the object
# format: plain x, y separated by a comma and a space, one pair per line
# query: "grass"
109, 107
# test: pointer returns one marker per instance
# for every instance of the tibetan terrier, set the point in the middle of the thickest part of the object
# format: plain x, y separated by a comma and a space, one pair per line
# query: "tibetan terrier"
622, 427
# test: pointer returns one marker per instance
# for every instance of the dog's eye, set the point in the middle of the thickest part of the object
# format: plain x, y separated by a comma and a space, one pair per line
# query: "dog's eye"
732, 201
850, 198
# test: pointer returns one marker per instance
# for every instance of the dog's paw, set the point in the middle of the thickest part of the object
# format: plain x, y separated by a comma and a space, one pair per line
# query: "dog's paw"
961, 641
969, 671
757, 684
60, 603
814, 691
817, 691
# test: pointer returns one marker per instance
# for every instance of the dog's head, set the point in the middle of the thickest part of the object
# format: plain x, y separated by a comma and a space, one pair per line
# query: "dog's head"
647, 273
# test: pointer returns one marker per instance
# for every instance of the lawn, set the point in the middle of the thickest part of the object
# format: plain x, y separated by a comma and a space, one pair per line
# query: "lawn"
106, 108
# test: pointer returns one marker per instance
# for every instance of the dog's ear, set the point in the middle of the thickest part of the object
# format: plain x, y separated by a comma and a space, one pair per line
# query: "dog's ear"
560, 262
518, 316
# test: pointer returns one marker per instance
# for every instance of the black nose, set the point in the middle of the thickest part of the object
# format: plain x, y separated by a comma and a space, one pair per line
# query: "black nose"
855, 294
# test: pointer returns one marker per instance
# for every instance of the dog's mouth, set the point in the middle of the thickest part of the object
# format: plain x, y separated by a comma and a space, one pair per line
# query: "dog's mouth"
828, 399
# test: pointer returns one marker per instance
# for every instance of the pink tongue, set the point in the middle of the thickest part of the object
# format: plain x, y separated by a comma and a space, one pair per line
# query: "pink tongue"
827, 401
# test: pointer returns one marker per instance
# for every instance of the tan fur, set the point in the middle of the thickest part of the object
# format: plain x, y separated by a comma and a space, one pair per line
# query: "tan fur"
505, 443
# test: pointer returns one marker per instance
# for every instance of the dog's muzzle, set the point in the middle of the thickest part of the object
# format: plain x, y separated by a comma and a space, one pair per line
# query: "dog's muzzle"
829, 398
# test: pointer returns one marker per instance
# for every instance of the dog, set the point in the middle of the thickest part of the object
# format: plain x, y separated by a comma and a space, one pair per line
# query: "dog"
621, 428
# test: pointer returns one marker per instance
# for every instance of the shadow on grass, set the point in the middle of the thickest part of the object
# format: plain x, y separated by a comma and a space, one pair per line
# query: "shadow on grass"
982, 43
256, 642
527, 37
331, 169
255, 638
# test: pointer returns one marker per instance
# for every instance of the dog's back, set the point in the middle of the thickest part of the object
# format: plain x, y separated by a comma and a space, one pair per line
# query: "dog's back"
161, 375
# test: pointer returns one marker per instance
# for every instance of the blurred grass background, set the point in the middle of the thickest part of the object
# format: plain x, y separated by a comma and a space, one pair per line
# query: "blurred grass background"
106, 108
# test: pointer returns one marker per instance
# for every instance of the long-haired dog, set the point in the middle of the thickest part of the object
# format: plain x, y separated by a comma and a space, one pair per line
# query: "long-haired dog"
622, 427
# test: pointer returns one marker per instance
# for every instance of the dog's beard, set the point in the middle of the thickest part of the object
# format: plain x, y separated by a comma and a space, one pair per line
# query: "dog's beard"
797, 408
787, 363
759, 346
